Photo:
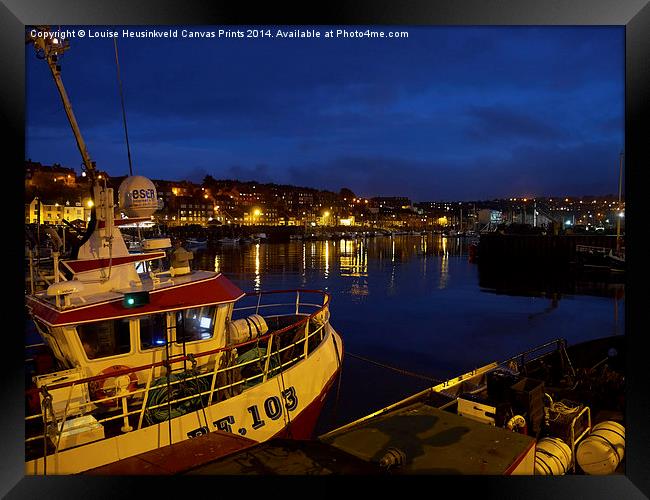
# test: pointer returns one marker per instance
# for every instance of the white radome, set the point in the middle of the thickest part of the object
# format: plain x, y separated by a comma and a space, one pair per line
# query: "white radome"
137, 196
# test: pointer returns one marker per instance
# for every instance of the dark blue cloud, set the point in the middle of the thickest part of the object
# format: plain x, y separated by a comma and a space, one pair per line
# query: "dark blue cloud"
492, 121
458, 112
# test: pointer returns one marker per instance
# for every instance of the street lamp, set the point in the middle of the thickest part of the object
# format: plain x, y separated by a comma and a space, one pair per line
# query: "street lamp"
256, 214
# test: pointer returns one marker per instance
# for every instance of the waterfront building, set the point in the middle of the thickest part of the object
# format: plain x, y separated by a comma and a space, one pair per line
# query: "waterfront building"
54, 213
38, 175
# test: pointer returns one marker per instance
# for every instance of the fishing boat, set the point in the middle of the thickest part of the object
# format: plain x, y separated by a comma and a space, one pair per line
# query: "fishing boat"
552, 410
139, 351
556, 409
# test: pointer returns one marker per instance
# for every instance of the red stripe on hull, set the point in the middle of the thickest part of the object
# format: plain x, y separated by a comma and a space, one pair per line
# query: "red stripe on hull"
302, 427
519, 459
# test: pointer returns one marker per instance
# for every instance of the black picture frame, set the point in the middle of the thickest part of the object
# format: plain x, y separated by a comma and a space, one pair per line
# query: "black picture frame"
634, 15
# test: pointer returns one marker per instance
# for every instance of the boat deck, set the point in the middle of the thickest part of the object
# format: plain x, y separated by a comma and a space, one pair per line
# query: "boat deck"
435, 441
178, 457
432, 441
287, 457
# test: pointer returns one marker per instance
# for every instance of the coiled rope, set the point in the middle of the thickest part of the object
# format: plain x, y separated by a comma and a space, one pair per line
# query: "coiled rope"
185, 386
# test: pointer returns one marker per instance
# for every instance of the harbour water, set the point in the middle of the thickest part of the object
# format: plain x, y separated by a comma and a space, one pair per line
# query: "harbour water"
418, 304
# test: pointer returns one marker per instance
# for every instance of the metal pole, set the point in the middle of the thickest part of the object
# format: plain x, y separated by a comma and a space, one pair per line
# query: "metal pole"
52, 50
31, 271
618, 215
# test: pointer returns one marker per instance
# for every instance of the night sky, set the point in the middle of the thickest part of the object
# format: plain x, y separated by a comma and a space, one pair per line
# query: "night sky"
450, 113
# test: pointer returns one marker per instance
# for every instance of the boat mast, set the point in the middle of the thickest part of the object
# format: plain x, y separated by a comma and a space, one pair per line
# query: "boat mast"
618, 215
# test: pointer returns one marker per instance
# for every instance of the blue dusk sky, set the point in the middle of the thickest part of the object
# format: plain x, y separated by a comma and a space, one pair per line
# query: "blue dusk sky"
449, 113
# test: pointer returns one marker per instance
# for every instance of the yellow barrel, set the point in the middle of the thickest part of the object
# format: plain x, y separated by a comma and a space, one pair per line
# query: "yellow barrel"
602, 451
552, 457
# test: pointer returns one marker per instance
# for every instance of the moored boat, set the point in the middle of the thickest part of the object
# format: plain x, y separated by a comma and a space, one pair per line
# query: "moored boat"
141, 351
552, 410
196, 243
595, 258
229, 241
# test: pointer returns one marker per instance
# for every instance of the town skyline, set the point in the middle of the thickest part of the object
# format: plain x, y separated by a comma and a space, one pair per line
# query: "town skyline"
395, 194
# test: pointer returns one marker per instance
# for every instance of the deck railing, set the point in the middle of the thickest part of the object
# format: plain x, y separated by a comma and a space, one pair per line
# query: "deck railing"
221, 377
517, 363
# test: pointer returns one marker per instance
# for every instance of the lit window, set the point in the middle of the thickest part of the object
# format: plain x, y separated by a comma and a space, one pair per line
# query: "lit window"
105, 338
195, 324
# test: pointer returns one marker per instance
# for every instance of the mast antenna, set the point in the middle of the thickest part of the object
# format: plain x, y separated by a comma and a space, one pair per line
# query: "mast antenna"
126, 131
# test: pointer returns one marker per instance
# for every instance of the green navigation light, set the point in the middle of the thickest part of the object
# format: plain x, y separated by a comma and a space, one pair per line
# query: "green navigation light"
135, 299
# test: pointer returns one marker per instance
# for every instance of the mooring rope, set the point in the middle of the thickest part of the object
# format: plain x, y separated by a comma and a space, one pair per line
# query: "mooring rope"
395, 369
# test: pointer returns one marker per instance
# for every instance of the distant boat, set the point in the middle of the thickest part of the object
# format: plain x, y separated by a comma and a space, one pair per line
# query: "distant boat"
249, 240
228, 241
196, 243
594, 258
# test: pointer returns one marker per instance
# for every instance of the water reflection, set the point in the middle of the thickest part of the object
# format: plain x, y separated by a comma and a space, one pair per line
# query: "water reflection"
257, 282
346, 259
438, 259
444, 265
326, 270
353, 260
418, 303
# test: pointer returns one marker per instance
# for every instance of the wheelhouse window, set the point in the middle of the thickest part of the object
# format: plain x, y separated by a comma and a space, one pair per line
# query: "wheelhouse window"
195, 324
105, 338
153, 331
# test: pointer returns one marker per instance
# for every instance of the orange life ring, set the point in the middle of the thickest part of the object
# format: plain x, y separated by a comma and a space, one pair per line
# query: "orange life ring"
112, 386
